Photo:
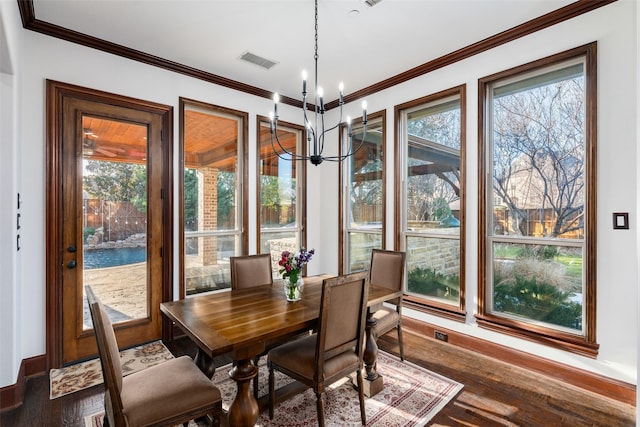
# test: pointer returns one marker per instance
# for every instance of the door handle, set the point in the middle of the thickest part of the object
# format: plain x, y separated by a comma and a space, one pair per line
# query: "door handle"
71, 249
71, 264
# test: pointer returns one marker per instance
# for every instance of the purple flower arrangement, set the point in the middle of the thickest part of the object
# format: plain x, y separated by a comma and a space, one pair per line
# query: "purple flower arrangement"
292, 263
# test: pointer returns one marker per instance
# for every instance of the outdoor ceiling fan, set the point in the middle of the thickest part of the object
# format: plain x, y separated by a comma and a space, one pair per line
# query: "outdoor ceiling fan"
90, 145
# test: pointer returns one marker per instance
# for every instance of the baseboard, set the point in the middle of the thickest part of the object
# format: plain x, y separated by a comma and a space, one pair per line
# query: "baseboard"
12, 396
596, 383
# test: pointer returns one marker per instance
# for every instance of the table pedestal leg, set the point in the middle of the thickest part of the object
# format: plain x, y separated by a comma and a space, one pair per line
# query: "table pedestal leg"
244, 409
205, 363
373, 382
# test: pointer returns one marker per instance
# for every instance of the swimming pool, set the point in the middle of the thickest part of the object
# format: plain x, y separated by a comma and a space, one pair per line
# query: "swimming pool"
100, 258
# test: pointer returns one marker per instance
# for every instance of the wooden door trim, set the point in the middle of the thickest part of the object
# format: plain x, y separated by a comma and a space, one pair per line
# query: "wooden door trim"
56, 93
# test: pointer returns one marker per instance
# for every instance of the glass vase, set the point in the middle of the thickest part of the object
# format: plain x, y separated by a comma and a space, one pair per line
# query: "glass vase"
293, 291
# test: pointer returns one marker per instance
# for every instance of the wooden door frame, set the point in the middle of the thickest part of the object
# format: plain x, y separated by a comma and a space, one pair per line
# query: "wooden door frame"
56, 93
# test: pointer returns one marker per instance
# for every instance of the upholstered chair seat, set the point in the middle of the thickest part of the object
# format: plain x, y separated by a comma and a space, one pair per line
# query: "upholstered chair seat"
305, 351
156, 394
387, 318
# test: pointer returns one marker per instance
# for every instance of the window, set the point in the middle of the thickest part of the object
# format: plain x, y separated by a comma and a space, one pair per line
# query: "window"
362, 194
430, 212
213, 194
537, 202
281, 192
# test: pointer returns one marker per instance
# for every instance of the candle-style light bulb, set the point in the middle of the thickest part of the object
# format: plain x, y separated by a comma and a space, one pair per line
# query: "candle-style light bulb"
304, 82
364, 112
320, 95
341, 89
276, 99
349, 126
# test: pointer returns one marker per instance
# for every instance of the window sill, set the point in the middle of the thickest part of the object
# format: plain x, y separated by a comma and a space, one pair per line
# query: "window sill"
434, 308
557, 339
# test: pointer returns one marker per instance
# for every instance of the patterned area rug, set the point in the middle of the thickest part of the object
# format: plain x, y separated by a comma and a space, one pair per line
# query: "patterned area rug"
86, 374
411, 397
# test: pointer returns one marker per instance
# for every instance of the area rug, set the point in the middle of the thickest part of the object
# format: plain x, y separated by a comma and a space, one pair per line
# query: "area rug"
411, 397
86, 374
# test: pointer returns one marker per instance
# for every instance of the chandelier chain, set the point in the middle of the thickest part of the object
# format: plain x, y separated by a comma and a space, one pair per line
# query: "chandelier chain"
316, 39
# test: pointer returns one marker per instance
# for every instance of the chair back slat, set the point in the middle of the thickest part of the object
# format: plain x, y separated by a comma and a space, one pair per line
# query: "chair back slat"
251, 270
109, 357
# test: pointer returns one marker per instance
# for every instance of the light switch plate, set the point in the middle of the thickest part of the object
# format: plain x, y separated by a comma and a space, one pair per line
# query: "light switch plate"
620, 220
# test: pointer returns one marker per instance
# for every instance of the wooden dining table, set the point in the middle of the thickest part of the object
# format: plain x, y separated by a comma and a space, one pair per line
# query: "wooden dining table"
243, 323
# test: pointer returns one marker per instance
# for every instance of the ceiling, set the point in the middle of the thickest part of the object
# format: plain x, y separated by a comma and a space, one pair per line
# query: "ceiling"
358, 44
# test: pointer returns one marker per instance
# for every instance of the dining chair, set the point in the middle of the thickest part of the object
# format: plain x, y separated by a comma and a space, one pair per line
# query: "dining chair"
251, 270
167, 394
335, 350
248, 271
387, 269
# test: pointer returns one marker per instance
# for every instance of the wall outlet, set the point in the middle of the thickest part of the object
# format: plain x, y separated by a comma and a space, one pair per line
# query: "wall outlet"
441, 336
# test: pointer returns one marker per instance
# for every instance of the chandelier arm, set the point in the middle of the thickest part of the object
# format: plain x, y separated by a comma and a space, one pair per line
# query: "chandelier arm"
364, 133
351, 150
322, 136
283, 151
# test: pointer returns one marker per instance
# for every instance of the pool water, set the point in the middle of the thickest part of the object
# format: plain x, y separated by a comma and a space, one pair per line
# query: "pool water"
100, 258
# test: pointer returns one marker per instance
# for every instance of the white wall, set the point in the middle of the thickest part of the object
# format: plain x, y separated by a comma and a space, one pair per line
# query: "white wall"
612, 26
10, 357
637, 182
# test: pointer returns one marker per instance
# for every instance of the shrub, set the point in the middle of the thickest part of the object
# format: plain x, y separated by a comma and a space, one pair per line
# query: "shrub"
535, 300
427, 281
88, 231
538, 252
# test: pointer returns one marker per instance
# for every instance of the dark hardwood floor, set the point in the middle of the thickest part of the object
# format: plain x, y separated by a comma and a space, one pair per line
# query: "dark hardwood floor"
494, 393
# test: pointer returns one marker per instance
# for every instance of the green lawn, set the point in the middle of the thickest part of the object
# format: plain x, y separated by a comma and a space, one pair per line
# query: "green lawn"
573, 264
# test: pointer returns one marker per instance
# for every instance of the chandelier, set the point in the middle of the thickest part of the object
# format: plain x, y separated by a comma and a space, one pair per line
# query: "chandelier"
316, 130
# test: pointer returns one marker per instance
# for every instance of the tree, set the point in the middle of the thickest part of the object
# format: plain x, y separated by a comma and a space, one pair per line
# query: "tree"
191, 199
429, 194
366, 192
117, 182
538, 154
269, 190
226, 198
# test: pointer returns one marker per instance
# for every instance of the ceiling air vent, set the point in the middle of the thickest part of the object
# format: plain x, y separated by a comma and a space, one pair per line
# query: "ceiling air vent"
372, 3
258, 60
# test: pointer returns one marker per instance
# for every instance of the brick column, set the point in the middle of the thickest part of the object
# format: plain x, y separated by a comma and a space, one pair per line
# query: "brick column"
207, 214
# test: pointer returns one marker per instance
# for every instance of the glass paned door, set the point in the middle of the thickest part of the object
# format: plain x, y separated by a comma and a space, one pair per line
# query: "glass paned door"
114, 216
108, 223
